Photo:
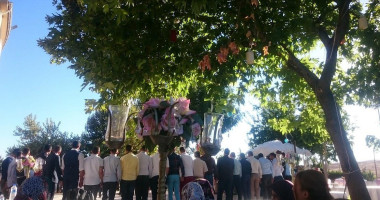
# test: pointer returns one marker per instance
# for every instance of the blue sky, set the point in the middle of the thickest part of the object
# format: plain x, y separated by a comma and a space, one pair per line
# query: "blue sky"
29, 84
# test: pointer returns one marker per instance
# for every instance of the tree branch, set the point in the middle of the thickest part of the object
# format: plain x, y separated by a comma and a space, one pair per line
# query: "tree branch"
333, 45
295, 64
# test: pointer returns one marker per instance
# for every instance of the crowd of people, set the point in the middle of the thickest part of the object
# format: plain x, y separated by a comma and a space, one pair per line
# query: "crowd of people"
135, 174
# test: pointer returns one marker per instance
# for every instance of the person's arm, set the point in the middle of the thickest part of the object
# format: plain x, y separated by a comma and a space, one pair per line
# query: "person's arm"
167, 166
101, 170
205, 169
182, 166
137, 166
81, 169
118, 169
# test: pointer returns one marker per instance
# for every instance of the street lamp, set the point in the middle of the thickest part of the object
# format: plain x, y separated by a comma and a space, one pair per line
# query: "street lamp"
117, 118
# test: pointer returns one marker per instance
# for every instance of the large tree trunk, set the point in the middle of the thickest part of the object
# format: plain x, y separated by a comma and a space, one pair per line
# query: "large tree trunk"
354, 179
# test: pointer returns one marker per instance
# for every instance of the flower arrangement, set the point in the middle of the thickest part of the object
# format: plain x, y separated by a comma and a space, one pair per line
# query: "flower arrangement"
168, 118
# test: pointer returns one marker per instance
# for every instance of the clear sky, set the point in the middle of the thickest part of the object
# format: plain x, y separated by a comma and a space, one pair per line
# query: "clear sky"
29, 84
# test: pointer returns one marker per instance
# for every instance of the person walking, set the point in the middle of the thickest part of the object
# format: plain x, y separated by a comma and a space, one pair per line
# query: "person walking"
267, 179
129, 171
153, 182
256, 175
174, 177
237, 175
52, 171
211, 166
200, 166
188, 164
111, 175
224, 175
246, 171
4, 172
73, 171
93, 173
145, 169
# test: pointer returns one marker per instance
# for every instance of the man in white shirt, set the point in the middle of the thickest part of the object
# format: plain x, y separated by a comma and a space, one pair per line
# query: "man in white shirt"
200, 166
73, 171
237, 175
112, 175
277, 168
93, 173
267, 179
256, 175
156, 172
188, 164
142, 181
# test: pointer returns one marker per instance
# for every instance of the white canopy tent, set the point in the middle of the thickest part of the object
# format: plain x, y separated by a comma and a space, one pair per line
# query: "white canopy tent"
276, 145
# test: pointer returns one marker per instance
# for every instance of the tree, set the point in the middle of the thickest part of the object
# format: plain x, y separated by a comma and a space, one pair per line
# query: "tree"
35, 136
373, 142
129, 49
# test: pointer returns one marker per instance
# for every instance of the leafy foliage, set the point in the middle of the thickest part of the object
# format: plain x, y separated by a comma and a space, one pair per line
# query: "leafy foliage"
34, 135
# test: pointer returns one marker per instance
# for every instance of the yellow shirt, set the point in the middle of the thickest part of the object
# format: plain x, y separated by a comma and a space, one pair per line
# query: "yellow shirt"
129, 167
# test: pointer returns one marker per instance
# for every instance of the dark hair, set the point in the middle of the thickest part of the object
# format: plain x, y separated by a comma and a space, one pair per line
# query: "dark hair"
76, 144
283, 189
197, 154
143, 147
250, 153
315, 184
16, 152
226, 151
25, 150
57, 148
95, 150
182, 149
113, 151
260, 155
47, 148
272, 154
232, 154
242, 156
128, 147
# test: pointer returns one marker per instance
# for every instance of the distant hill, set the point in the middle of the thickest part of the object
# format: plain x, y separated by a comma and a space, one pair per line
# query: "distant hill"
365, 165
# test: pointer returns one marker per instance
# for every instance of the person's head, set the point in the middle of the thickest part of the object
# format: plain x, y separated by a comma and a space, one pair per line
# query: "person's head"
226, 151
114, 151
128, 148
242, 156
282, 190
95, 150
33, 188
143, 148
16, 153
57, 149
47, 148
192, 191
197, 154
25, 151
75, 144
182, 150
260, 155
250, 153
311, 185
232, 155
272, 156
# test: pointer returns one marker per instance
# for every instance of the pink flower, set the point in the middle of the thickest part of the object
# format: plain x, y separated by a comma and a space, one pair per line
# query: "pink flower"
149, 125
168, 120
196, 129
183, 107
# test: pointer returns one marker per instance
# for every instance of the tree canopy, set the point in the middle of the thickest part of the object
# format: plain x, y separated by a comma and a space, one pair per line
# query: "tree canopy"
140, 49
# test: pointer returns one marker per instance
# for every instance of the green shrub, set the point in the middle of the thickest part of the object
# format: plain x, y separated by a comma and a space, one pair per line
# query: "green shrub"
368, 175
334, 175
